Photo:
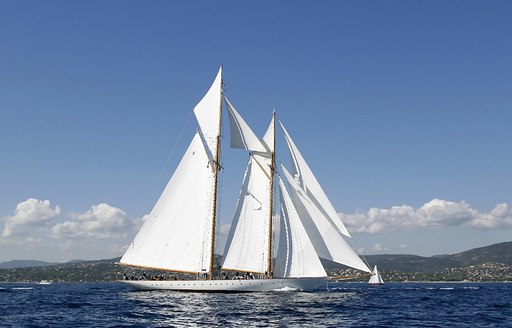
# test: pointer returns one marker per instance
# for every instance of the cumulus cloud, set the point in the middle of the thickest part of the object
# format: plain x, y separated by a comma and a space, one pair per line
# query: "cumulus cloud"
29, 213
378, 248
499, 217
101, 221
435, 213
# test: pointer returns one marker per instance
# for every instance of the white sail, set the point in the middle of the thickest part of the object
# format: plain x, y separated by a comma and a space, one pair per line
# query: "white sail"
269, 137
311, 187
242, 137
375, 279
247, 243
328, 243
176, 235
208, 114
296, 256
248, 240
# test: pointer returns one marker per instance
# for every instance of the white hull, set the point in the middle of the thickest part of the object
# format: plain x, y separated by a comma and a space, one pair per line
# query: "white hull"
249, 285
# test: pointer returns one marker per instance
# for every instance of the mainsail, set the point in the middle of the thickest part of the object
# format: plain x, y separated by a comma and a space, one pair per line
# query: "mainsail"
176, 235
248, 241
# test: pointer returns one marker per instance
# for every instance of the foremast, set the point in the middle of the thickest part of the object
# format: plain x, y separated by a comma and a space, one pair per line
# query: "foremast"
270, 270
216, 169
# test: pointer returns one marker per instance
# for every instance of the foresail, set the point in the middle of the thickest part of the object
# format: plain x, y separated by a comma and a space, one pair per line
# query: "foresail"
242, 137
248, 239
311, 187
176, 235
327, 241
296, 256
208, 114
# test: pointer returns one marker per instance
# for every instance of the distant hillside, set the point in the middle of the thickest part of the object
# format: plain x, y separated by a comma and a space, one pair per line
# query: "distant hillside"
101, 270
490, 263
23, 264
410, 263
497, 253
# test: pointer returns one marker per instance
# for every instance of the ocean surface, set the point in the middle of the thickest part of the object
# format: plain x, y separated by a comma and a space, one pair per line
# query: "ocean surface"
343, 305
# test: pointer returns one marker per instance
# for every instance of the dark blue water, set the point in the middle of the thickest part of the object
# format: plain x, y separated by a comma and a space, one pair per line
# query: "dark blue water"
344, 305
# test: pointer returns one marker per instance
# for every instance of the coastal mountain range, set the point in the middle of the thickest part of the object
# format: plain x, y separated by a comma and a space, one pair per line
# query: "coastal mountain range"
496, 253
399, 267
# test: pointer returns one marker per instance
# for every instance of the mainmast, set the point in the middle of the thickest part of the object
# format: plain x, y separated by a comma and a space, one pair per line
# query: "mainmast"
271, 209
216, 168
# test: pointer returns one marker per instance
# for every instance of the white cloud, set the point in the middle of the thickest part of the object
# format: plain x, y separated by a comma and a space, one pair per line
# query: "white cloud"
435, 213
29, 213
499, 217
101, 221
378, 248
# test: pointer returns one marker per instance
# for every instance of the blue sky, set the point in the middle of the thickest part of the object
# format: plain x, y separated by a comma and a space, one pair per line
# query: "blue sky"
402, 109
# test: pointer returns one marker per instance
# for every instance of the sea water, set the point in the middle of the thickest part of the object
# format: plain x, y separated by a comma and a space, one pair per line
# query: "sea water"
342, 305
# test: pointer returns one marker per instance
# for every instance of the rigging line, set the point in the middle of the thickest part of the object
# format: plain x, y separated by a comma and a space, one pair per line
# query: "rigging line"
366, 262
171, 155
361, 255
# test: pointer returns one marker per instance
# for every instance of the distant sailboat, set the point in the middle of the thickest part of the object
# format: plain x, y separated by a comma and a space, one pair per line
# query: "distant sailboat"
376, 279
179, 234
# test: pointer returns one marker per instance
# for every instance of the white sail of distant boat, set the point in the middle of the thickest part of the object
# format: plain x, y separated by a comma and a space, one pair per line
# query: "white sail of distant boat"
375, 279
179, 233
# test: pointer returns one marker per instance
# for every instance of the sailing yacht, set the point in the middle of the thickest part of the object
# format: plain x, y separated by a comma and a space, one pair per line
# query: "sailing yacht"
281, 251
376, 279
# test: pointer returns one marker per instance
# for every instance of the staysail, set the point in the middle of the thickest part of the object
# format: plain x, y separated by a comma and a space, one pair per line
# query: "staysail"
242, 136
328, 243
309, 184
317, 216
296, 255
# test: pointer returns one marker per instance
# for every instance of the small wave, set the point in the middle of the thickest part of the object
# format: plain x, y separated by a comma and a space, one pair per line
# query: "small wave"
23, 288
286, 289
471, 287
447, 288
